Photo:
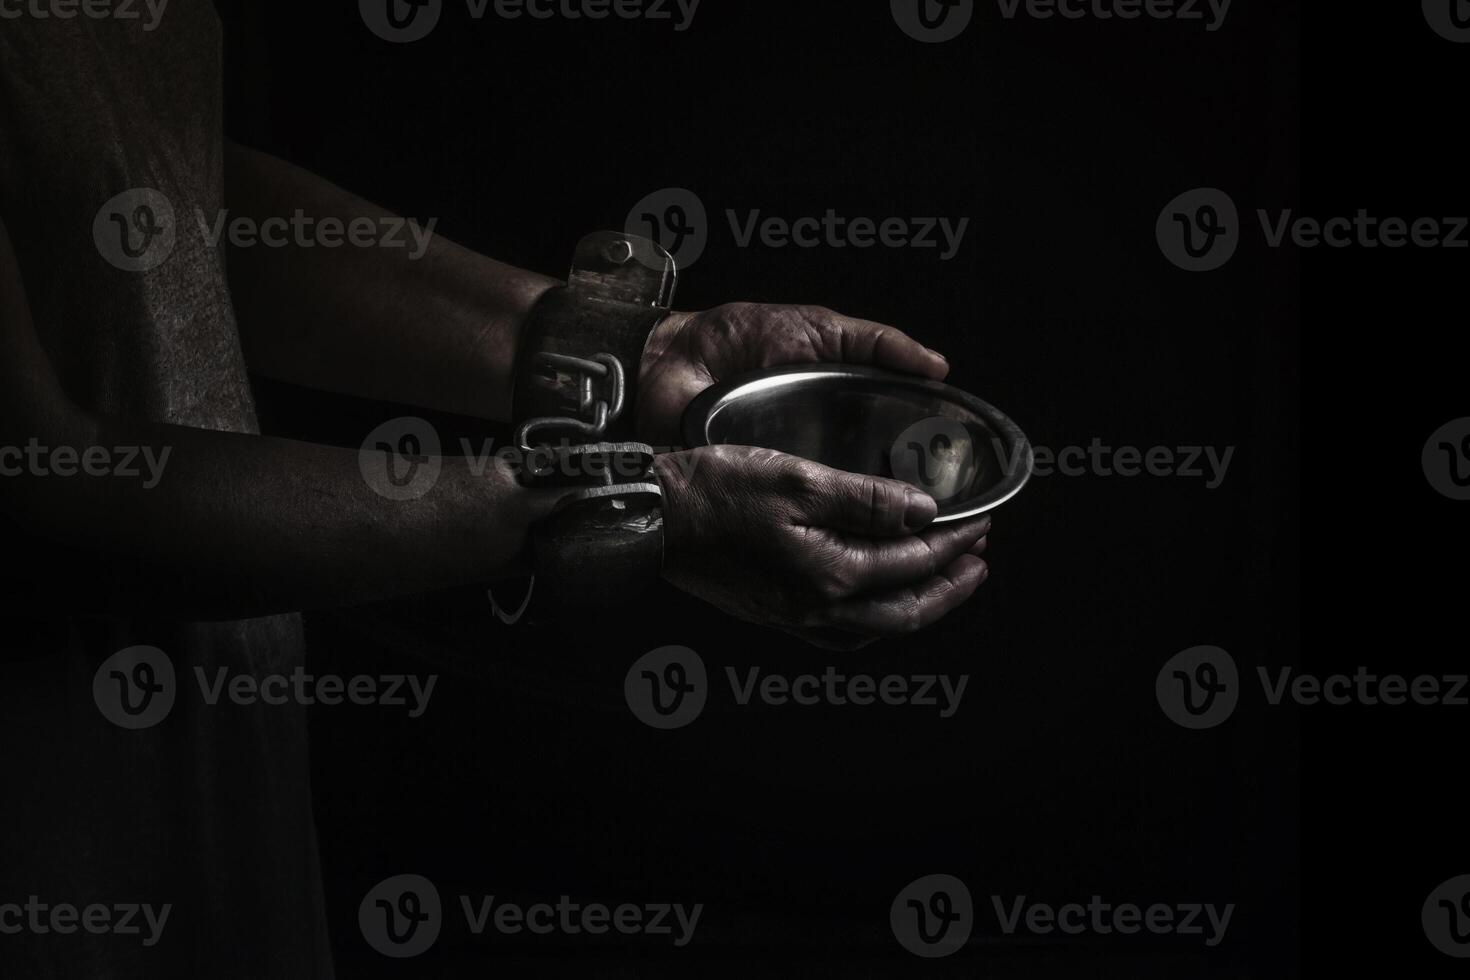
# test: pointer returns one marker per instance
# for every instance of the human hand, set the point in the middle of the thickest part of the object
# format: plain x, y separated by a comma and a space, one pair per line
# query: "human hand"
836, 558
688, 352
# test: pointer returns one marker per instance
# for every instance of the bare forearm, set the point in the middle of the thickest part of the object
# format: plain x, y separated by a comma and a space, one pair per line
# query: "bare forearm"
248, 523
240, 525
436, 329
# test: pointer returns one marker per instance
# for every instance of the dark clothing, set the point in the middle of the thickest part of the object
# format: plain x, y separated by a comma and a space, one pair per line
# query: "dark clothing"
209, 810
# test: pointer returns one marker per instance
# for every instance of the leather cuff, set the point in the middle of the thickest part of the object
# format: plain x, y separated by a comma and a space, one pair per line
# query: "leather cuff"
574, 397
582, 347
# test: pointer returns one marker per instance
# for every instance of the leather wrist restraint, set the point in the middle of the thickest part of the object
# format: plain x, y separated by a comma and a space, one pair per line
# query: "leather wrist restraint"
574, 412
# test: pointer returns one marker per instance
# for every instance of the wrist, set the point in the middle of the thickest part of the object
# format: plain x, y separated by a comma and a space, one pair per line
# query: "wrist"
661, 339
583, 347
681, 504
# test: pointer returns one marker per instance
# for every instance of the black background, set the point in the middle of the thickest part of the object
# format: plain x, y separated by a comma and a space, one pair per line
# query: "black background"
1382, 822
1059, 777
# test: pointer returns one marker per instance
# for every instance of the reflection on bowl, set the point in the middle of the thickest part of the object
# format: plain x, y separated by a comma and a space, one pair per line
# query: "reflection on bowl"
955, 447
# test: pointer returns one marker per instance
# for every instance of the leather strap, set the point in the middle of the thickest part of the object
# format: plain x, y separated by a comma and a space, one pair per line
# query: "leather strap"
577, 369
576, 375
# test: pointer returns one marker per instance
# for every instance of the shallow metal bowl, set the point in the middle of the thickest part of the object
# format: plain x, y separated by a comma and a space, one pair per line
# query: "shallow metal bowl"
960, 450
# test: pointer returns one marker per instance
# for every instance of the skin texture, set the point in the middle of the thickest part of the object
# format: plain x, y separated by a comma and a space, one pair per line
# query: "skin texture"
438, 331
835, 558
688, 352
243, 525
239, 525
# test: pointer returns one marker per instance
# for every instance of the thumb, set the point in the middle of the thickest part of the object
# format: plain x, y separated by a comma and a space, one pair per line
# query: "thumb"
868, 342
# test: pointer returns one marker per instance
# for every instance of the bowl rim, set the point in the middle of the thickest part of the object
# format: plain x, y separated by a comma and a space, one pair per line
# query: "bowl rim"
1021, 458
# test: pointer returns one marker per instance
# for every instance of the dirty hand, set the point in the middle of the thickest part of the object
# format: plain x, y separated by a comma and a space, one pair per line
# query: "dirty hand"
688, 352
836, 558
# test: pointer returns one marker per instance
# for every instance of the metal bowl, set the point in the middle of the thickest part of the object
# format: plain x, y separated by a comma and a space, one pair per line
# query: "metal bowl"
958, 449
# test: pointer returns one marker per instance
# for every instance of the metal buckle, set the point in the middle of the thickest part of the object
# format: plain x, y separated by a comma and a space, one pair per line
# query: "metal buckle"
578, 374
624, 269
616, 270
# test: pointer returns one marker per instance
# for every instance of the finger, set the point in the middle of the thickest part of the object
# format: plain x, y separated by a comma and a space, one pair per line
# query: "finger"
980, 546
869, 506
909, 609
878, 566
866, 342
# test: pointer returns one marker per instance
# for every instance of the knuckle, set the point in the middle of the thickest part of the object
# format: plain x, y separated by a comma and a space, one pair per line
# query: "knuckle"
941, 587
886, 503
912, 614
832, 584
798, 479
913, 619
831, 577
728, 320
823, 328
893, 498
877, 499
724, 454
931, 559
717, 463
